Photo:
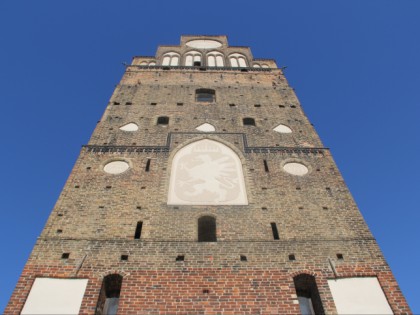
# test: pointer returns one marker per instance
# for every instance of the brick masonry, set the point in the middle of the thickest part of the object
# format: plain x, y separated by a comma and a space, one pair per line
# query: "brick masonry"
96, 214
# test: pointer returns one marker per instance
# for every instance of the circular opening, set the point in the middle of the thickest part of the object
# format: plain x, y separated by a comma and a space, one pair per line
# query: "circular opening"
116, 167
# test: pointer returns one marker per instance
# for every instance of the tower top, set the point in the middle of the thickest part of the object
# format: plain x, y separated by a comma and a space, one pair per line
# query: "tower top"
193, 50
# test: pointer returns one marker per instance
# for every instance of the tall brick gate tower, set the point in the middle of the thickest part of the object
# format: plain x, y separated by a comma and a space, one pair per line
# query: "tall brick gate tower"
204, 189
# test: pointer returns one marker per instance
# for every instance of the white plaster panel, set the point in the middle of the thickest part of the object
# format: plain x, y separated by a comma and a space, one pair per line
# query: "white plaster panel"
116, 167
203, 44
189, 60
166, 61
130, 127
282, 129
174, 60
206, 172
296, 169
242, 62
55, 296
206, 127
219, 61
359, 296
211, 60
233, 62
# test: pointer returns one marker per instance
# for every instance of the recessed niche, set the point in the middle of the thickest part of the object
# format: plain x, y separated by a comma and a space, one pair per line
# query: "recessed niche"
116, 167
129, 127
297, 169
282, 129
206, 127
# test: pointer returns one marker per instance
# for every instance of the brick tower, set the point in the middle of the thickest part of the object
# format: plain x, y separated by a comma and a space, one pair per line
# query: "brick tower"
204, 189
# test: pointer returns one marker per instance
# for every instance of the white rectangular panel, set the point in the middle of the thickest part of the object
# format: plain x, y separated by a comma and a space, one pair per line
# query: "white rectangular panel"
359, 296
55, 296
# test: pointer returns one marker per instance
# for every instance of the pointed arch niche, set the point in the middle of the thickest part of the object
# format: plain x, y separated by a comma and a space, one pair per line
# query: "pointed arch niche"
206, 172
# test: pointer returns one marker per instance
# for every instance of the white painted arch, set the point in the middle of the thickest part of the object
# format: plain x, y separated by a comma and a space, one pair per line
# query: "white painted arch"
206, 127
129, 127
206, 172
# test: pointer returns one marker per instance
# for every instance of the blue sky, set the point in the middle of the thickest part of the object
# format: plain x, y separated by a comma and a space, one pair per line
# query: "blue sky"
355, 66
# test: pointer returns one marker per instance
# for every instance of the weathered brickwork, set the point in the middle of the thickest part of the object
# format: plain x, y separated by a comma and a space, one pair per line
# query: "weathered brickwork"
96, 214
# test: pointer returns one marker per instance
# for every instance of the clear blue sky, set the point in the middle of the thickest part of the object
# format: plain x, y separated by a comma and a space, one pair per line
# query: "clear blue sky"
355, 66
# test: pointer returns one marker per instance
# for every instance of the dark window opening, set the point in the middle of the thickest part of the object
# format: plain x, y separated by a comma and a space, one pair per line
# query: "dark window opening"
116, 103
249, 121
243, 258
179, 104
266, 166
292, 257
59, 231
340, 256
65, 255
275, 231
205, 95
207, 229
153, 104
308, 295
180, 258
148, 165
124, 257
163, 120
137, 234
257, 105
232, 105
206, 291
197, 63
128, 103
109, 295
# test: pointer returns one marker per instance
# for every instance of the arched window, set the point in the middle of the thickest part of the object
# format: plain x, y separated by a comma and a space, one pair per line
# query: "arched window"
265, 66
193, 58
256, 65
170, 59
143, 63
248, 121
237, 60
152, 63
205, 95
206, 172
110, 295
215, 59
308, 295
207, 229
